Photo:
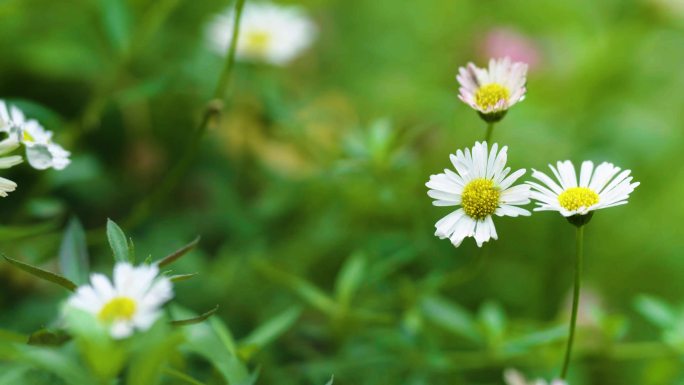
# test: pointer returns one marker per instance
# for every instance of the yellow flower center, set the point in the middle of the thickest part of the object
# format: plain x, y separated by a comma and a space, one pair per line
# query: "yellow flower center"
480, 198
576, 197
257, 42
489, 95
27, 137
118, 308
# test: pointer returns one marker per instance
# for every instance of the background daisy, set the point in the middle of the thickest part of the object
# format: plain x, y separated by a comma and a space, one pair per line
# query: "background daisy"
268, 32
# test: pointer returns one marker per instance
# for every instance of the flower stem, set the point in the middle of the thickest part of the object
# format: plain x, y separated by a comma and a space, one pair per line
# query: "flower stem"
214, 109
490, 129
579, 239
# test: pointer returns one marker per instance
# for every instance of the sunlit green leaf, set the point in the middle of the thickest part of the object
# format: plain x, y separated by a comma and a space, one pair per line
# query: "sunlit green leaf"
118, 242
73, 253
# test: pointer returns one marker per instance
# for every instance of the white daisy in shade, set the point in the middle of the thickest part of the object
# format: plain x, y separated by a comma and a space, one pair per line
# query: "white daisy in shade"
268, 33
597, 188
41, 152
132, 302
513, 377
8, 145
483, 186
494, 90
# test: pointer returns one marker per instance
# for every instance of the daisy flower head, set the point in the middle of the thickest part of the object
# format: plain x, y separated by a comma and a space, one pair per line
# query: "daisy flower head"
492, 91
131, 302
513, 377
41, 152
482, 186
7, 145
597, 188
268, 33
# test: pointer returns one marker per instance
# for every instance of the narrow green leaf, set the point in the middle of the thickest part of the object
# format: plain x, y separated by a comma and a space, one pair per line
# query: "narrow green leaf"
195, 320
224, 334
45, 337
493, 320
349, 279
656, 311
73, 253
117, 23
272, 329
181, 376
118, 242
131, 251
173, 257
42, 274
308, 292
332, 379
182, 277
451, 317
537, 338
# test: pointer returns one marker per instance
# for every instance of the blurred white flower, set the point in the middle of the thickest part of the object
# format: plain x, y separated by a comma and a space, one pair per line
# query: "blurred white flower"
7, 145
41, 152
596, 189
513, 377
482, 187
132, 302
268, 32
493, 91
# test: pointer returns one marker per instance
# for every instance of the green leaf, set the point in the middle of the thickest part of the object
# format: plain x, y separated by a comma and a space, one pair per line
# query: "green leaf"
205, 341
271, 330
182, 277
42, 274
45, 337
8, 233
537, 338
195, 320
224, 334
73, 253
493, 320
656, 311
452, 317
308, 292
349, 279
173, 257
117, 23
54, 361
118, 242
330, 382
181, 376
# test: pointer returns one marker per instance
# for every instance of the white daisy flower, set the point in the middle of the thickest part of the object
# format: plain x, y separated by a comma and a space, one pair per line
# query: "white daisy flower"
8, 145
132, 302
513, 377
493, 91
268, 33
41, 152
596, 189
482, 187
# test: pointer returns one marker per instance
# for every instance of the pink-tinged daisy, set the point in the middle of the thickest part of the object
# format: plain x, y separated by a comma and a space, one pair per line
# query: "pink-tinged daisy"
492, 91
513, 377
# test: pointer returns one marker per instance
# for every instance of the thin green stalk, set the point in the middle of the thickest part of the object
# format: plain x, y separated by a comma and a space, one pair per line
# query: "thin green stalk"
575, 298
488, 134
213, 109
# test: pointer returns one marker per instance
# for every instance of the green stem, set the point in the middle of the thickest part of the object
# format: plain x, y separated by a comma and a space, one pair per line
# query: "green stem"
224, 80
213, 109
490, 129
575, 298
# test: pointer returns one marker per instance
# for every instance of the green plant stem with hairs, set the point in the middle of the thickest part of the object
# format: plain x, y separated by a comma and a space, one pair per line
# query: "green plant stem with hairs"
579, 239
213, 110
490, 130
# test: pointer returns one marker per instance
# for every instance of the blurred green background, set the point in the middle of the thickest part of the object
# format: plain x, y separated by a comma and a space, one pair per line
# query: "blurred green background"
310, 190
